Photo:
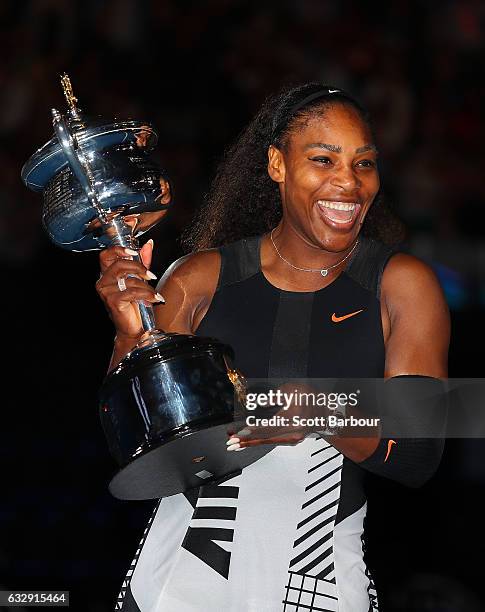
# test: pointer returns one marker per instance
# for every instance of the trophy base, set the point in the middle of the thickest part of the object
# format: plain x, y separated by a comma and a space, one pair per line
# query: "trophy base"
197, 458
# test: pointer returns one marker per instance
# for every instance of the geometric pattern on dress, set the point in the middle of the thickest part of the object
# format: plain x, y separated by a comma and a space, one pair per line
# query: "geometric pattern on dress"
210, 534
311, 573
126, 582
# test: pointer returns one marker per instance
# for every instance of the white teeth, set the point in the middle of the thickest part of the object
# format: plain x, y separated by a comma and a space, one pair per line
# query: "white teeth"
336, 205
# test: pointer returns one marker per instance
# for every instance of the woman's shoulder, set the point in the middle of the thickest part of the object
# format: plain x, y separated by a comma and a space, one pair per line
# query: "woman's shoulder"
409, 286
204, 267
407, 270
392, 268
195, 272
205, 264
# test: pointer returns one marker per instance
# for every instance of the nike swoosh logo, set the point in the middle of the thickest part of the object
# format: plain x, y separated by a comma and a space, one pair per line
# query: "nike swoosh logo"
389, 446
336, 319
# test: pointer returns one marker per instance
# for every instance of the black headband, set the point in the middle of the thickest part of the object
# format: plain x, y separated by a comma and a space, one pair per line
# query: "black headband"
321, 93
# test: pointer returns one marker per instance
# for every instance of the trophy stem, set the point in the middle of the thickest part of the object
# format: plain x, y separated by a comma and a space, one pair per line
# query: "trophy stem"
121, 234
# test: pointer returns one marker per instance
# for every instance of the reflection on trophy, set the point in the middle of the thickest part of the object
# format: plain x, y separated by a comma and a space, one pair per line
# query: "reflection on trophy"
167, 407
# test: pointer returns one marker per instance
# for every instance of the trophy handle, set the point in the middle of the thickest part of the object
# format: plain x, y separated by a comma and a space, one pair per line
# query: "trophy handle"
113, 224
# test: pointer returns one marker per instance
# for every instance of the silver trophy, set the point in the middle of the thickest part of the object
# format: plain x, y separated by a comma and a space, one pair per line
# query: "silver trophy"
168, 406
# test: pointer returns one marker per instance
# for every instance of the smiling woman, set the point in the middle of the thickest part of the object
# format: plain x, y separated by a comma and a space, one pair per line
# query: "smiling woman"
288, 270
244, 201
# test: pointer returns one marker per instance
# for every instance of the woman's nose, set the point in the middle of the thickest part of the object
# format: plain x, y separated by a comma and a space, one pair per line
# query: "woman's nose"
345, 178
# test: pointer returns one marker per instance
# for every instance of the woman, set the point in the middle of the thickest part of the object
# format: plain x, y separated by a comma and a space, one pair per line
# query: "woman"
299, 289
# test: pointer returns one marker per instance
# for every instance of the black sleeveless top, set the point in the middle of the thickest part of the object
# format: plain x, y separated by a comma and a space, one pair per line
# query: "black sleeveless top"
277, 333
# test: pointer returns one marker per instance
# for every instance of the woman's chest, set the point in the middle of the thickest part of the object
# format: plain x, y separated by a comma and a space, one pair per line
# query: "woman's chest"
333, 333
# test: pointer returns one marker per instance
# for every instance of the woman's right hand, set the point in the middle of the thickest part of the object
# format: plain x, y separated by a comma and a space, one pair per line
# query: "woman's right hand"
117, 263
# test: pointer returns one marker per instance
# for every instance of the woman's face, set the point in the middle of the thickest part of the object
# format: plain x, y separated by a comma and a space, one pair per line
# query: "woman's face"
327, 177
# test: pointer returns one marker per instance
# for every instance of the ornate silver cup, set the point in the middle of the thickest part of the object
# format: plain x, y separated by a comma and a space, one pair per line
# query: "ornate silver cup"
167, 407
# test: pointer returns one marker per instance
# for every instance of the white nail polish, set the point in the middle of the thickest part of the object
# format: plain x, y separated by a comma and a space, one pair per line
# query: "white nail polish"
160, 298
233, 447
232, 441
131, 252
240, 449
151, 275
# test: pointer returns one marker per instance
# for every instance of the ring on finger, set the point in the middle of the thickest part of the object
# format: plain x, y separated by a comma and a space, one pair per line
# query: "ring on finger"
121, 284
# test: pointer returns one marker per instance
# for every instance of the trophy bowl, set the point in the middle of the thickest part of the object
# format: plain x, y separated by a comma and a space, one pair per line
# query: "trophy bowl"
169, 405
127, 182
166, 411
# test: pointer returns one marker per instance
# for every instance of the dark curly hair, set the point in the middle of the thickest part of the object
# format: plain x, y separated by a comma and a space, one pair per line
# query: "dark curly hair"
244, 201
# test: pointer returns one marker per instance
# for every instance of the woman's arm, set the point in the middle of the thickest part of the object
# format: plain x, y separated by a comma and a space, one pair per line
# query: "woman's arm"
188, 287
417, 329
419, 321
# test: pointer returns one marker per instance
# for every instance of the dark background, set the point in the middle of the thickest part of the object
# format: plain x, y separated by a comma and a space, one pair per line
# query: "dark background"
198, 71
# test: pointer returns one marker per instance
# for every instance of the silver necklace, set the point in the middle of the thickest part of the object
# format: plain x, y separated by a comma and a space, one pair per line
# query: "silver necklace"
323, 271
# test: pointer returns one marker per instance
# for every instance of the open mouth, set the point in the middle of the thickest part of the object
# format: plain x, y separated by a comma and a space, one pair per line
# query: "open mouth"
340, 213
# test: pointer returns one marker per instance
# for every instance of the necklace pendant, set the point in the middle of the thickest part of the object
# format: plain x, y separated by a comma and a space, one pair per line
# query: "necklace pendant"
324, 272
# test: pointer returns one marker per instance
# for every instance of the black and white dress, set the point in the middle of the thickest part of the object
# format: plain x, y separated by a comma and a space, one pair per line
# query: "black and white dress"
286, 533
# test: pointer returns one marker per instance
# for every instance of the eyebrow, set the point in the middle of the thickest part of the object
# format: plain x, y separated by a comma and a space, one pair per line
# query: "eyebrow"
338, 148
365, 148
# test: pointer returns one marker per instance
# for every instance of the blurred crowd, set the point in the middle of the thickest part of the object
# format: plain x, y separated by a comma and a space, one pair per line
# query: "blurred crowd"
198, 71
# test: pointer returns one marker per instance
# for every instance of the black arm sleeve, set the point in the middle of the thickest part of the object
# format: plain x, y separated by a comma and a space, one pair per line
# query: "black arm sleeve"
409, 461
414, 411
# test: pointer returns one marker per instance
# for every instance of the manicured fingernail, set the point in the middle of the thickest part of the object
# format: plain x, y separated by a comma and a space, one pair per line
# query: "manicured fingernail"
232, 441
160, 298
131, 252
240, 449
151, 275
151, 240
244, 432
233, 447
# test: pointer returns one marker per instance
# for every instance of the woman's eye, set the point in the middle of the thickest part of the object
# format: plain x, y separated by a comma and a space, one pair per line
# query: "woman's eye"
367, 163
322, 159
